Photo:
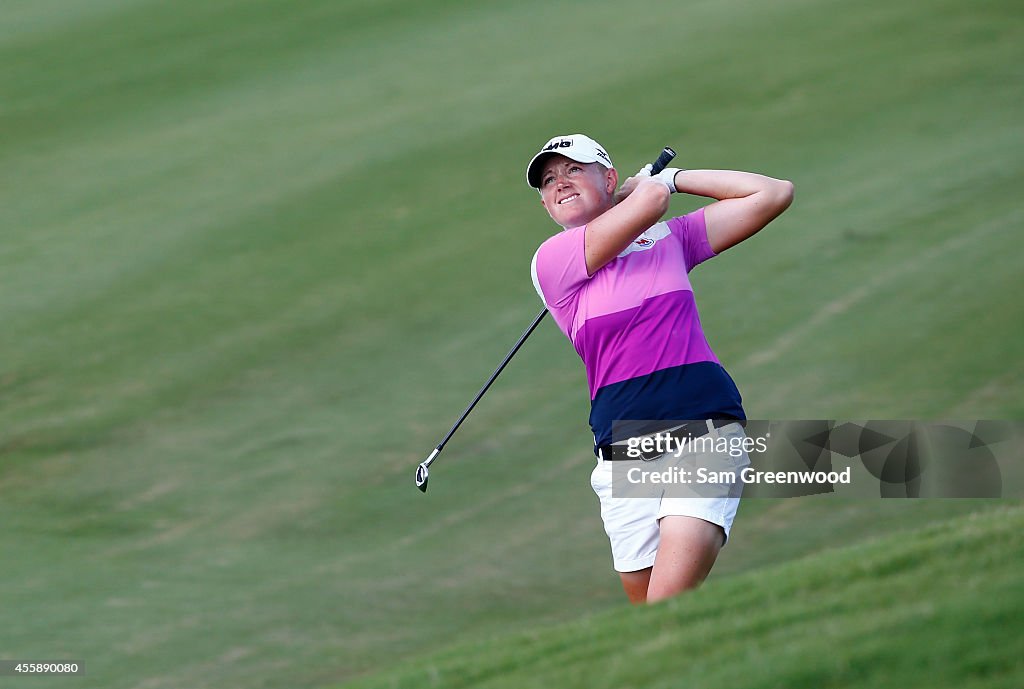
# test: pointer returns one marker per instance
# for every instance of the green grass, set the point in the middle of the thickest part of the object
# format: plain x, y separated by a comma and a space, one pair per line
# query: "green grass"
951, 595
256, 257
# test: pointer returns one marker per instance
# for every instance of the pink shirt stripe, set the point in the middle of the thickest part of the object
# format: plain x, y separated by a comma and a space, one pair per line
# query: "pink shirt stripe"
636, 315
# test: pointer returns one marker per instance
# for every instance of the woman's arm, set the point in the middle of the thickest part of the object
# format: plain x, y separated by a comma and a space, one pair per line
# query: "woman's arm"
746, 202
614, 230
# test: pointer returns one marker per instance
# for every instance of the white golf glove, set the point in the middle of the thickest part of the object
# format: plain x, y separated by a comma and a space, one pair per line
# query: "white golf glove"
666, 176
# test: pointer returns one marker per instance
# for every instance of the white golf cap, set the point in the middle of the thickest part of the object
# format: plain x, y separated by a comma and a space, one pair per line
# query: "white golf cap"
578, 147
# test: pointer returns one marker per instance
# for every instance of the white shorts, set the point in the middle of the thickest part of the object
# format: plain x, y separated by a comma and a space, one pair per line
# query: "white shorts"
632, 523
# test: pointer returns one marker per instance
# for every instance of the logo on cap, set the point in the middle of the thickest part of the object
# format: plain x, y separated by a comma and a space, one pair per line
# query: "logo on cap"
569, 143
564, 143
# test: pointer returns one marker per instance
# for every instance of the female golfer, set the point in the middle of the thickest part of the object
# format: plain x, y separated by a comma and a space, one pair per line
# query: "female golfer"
616, 282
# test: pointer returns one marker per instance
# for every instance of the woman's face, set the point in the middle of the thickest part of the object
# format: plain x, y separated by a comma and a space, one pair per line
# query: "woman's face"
575, 193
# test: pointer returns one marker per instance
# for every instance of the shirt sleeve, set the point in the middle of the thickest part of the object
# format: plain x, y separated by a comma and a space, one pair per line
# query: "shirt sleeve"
560, 267
693, 234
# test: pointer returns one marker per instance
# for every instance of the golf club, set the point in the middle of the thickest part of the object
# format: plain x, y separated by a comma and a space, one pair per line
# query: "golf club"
423, 470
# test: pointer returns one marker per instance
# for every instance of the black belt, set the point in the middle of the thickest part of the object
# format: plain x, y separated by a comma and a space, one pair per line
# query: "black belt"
688, 430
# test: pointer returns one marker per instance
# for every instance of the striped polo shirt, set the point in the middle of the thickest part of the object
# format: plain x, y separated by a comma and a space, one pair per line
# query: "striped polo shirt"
635, 325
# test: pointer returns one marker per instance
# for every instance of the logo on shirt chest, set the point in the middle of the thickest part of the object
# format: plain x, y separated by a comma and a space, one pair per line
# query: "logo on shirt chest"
647, 240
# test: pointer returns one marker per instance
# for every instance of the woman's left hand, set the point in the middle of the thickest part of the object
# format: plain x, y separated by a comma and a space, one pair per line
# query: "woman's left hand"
630, 184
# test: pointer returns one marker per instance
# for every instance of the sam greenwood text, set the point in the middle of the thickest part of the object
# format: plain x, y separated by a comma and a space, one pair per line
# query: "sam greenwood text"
748, 475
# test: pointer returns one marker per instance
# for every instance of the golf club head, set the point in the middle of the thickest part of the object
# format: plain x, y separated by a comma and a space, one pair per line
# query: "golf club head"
423, 470
422, 474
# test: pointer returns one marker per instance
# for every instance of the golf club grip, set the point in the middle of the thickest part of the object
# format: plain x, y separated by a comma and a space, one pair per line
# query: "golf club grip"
667, 154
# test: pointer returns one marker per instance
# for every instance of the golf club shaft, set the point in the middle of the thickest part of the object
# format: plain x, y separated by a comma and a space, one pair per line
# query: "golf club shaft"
497, 371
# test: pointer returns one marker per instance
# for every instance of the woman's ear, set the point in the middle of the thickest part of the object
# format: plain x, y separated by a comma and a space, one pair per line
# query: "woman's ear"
611, 180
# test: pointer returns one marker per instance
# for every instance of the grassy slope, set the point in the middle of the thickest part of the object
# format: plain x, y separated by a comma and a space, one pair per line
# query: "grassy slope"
256, 256
951, 596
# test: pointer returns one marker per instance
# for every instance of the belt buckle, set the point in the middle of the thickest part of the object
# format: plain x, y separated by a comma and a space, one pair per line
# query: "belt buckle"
690, 430
679, 433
